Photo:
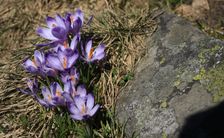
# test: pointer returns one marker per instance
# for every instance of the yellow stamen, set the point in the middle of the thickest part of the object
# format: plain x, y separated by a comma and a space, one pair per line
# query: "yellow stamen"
91, 53
72, 18
58, 93
34, 62
65, 44
49, 97
64, 62
83, 110
72, 78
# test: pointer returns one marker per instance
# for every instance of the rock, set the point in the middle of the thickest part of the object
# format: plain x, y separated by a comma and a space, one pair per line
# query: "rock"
208, 11
170, 82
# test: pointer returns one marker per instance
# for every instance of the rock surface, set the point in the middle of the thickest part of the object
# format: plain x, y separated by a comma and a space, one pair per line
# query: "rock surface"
170, 82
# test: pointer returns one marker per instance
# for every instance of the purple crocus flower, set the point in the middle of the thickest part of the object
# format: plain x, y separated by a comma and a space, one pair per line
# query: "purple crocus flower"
33, 66
47, 100
83, 108
52, 97
57, 30
62, 60
37, 65
90, 54
76, 21
70, 91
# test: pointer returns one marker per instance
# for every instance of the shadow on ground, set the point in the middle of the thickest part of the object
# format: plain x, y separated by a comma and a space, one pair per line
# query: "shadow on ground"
205, 124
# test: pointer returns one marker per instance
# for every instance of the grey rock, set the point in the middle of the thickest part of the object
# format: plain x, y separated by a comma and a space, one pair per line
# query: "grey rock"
166, 76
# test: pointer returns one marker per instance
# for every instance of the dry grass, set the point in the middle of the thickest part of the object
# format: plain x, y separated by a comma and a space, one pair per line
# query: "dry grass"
123, 32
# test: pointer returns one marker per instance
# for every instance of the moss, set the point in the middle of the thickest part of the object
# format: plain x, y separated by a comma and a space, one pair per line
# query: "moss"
200, 75
209, 52
162, 60
164, 135
215, 82
177, 83
163, 104
212, 78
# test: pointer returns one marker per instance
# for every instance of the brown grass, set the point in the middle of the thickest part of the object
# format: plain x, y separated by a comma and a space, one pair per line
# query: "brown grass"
123, 32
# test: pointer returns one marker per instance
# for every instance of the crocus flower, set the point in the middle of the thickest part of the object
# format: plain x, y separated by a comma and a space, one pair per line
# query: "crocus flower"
83, 108
33, 65
37, 65
71, 75
47, 100
76, 21
70, 92
56, 31
52, 96
90, 54
62, 60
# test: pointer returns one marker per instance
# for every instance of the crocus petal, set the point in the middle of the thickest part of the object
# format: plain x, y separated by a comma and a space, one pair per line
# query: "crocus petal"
30, 66
60, 21
51, 22
90, 101
73, 109
79, 102
74, 42
49, 71
54, 62
39, 58
46, 33
79, 14
98, 57
88, 47
93, 111
72, 59
67, 87
77, 117
63, 58
100, 49
42, 102
77, 24
67, 97
81, 90
58, 101
45, 92
58, 87
59, 33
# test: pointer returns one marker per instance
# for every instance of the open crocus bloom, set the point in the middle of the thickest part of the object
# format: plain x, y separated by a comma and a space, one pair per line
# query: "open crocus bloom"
83, 108
70, 75
37, 65
52, 97
70, 92
62, 60
57, 30
91, 54
33, 66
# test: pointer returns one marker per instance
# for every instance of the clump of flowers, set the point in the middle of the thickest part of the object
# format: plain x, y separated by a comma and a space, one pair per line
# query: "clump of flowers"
67, 57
